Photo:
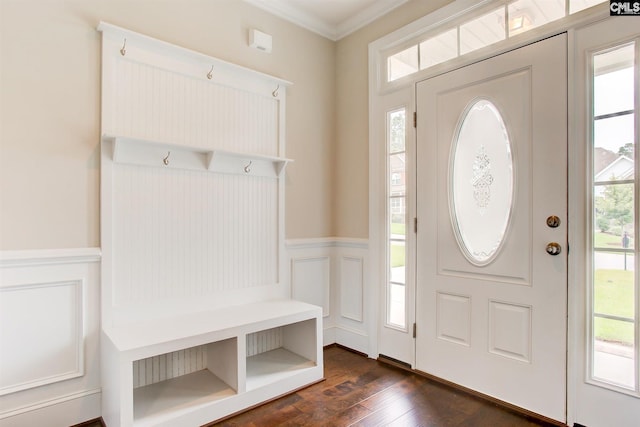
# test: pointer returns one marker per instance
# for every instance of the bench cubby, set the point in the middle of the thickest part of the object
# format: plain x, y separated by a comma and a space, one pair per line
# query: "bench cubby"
229, 381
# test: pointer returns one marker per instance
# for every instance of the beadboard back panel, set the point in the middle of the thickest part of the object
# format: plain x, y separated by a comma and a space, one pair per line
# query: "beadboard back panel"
188, 233
180, 238
153, 103
171, 365
263, 341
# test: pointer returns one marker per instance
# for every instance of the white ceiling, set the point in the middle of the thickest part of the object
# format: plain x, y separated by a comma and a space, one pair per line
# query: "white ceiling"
333, 19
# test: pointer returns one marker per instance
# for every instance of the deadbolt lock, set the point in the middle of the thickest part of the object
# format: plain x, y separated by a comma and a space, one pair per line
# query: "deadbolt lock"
553, 221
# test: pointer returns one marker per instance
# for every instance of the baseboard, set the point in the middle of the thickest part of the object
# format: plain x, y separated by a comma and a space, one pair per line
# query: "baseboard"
350, 350
328, 335
91, 423
395, 362
352, 338
59, 383
65, 411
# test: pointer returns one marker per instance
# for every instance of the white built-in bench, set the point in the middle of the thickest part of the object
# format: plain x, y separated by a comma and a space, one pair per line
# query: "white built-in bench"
231, 380
192, 225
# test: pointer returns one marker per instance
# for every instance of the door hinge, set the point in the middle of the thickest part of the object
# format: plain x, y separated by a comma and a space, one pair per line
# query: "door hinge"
415, 119
414, 330
415, 225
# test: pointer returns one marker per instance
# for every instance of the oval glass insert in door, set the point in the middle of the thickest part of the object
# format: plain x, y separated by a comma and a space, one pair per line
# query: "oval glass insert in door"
481, 182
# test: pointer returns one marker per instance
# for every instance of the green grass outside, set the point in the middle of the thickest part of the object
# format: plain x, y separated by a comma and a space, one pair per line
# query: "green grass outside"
614, 295
614, 292
397, 255
398, 228
397, 250
606, 240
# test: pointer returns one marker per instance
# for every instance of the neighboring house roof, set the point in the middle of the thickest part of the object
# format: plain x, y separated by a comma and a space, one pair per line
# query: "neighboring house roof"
601, 159
608, 165
399, 157
398, 161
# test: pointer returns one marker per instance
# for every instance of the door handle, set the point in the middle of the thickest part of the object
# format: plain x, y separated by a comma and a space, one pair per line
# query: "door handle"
554, 248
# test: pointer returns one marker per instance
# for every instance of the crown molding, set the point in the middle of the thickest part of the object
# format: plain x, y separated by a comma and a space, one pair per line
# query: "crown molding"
365, 17
313, 23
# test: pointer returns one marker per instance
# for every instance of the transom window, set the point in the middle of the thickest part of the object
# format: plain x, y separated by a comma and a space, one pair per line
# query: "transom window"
507, 19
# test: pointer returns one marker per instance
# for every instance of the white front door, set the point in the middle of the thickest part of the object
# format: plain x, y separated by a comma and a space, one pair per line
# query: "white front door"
491, 302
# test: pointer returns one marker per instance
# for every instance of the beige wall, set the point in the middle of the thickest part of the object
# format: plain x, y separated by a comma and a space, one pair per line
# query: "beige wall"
50, 107
351, 197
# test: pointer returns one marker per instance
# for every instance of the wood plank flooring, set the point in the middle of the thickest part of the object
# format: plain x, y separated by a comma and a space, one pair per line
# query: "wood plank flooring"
363, 392
359, 391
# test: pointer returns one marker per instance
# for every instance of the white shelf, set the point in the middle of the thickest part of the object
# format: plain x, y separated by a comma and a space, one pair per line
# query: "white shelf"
173, 156
273, 366
163, 401
142, 339
230, 162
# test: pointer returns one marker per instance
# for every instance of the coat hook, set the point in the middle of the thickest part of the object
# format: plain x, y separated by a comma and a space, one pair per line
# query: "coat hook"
247, 168
275, 92
210, 73
166, 159
123, 51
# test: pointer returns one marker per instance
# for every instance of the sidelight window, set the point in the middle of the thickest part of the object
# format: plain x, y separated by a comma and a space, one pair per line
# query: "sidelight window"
396, 218
614, 282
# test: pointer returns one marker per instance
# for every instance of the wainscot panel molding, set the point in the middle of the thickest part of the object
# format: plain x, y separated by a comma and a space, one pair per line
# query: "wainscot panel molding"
331, 272
311, 281
49, 336
351, 289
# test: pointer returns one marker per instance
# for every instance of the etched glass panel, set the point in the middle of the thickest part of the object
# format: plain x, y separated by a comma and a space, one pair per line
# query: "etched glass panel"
481, 182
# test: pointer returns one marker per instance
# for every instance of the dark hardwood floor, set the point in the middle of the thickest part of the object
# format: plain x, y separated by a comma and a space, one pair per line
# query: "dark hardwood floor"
358, 391
363, 392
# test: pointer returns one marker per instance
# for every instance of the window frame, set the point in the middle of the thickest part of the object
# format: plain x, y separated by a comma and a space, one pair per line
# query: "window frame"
467, 11
590, 313
391, 197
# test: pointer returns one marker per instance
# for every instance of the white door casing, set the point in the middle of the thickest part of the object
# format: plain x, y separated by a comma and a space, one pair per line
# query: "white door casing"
591, 402
397, 342
495, 323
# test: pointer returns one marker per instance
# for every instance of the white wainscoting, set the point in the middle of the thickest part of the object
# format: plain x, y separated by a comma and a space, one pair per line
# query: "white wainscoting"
312, 278
49, 336
331, 273
352, 287
43, 319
